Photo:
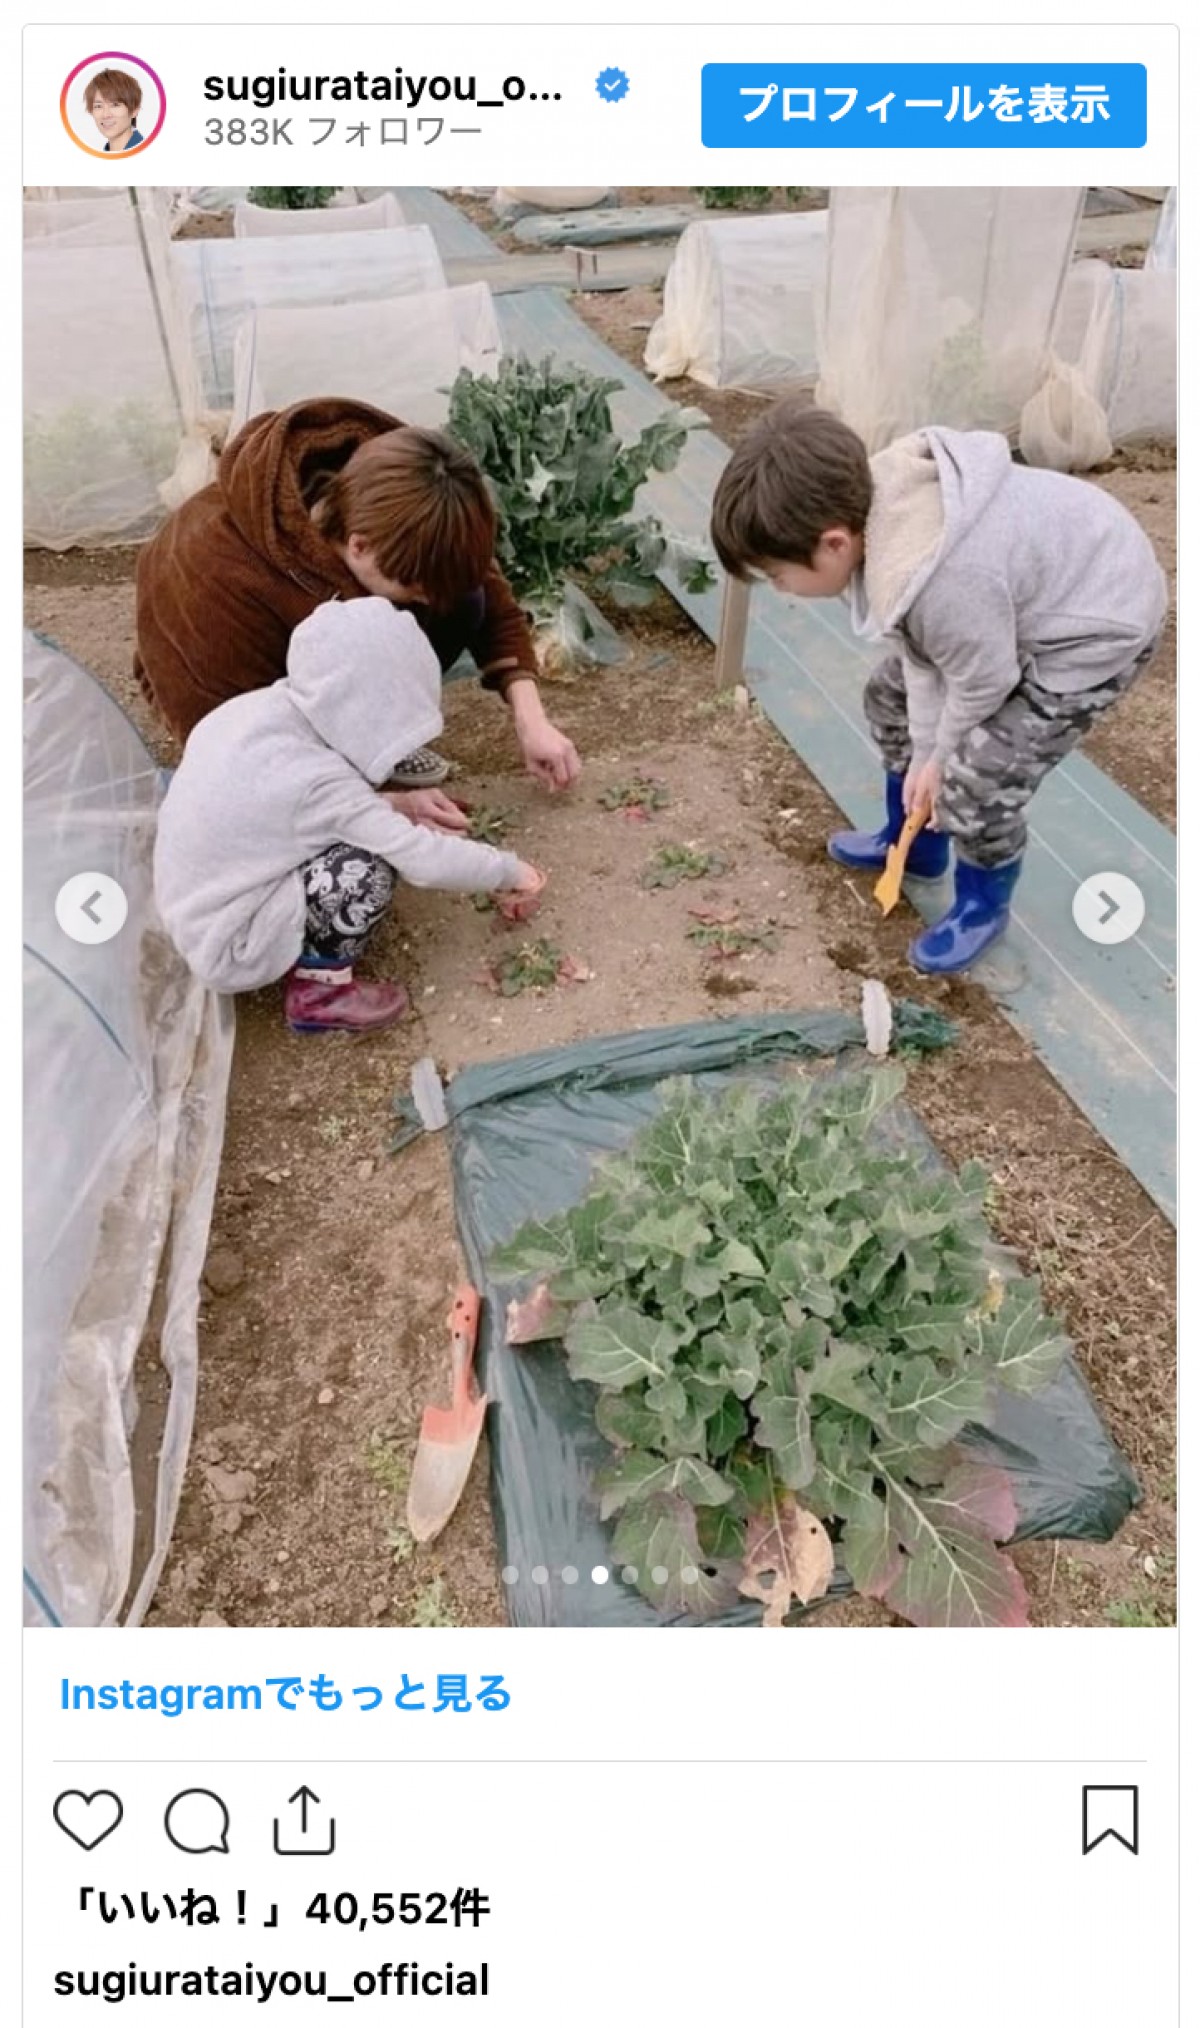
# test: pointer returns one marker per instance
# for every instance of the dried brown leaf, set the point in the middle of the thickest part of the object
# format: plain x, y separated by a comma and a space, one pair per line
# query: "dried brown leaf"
534, 1317
788, 1555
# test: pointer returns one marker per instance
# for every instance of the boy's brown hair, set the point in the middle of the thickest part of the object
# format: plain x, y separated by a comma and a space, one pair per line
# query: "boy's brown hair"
117, 87
796, 474
421, 503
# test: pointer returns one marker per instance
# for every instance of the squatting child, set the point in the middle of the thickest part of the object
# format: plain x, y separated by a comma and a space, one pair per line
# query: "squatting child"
1018, 604
276, 852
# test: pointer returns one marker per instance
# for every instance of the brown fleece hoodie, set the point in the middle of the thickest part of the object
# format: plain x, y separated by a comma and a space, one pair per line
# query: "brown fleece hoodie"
224, 583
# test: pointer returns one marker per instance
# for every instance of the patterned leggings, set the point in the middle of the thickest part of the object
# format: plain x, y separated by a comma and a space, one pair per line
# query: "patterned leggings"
347, 892
989, 779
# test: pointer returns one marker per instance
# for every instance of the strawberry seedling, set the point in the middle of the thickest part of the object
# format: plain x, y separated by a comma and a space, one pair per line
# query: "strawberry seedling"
637, 798
731, 939
490, 827
673, 863
534, 968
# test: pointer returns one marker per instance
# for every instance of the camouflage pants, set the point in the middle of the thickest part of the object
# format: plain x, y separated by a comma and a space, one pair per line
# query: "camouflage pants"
989, 778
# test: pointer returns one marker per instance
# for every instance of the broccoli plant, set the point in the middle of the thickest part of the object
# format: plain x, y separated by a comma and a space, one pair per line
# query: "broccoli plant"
748, 196
791, 1324
565, 484
734, 196
293, 196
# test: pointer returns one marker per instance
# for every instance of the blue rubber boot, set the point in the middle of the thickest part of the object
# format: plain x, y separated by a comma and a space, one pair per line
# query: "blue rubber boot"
979, 916
866, 851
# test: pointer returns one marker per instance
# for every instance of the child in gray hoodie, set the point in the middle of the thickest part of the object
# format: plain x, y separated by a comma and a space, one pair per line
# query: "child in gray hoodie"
276, 852
1019, 604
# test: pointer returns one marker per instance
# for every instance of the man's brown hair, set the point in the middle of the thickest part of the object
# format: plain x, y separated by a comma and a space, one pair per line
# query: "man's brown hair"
796, 474
117, 87
421, 503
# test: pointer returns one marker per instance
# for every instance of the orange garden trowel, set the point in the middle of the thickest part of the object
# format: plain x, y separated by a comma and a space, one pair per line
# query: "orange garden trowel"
449, 1436
887, 887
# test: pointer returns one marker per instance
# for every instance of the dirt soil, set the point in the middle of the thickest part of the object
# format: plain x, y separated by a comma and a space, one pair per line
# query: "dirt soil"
332, 1263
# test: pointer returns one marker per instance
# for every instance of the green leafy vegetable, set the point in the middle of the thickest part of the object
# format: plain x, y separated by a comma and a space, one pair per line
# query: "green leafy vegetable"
490, 826
730, 939
734, 196
640, 796
673, 863
790, 1323
293, 196
747, 196
565, 483
534, 968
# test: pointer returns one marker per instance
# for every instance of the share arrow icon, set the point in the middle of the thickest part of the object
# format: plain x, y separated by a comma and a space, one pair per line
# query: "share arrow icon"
305, 1797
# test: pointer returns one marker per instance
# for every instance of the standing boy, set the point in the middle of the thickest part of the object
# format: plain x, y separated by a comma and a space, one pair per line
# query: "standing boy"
1017, 605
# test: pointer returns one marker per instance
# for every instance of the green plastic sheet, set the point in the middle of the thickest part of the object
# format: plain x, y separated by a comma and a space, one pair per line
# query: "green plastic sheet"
526, 1135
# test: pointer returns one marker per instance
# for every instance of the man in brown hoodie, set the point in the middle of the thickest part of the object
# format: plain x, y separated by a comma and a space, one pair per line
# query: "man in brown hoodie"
332, 499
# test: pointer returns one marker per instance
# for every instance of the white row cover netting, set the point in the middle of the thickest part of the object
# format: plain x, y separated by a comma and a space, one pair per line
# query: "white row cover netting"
1112, 378
741, 303
521, 200
403, 357
57, 193
141, 350
263, 221
222, 282
78, 221
940, 304
126, 1070
105, 380
1164, 249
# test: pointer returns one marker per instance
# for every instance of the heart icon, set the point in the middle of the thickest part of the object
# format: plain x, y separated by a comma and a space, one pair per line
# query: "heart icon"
88, 1819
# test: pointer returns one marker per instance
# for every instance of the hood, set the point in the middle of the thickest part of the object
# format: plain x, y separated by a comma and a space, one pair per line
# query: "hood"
368, 682
928, 491
267, 475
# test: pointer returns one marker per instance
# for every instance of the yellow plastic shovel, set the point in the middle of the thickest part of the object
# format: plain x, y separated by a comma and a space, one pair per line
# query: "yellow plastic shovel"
887, 887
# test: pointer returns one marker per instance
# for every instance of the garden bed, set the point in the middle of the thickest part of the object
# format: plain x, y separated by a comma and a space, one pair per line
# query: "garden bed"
332, 1263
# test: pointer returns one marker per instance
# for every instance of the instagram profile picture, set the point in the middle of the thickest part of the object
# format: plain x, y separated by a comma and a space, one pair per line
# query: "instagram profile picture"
113, 104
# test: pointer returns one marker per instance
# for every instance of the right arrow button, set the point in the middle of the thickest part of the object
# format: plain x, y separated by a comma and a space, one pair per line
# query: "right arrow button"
1109, 908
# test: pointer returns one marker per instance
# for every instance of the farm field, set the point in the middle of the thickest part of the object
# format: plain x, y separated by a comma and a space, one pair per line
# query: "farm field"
332, 1261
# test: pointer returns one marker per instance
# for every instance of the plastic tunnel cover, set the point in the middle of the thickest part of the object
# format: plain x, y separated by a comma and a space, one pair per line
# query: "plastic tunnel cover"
126, 1069
525, 1136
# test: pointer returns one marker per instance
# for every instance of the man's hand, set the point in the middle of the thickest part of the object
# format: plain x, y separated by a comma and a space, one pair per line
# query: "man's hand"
431, 808
923, 785
549, 755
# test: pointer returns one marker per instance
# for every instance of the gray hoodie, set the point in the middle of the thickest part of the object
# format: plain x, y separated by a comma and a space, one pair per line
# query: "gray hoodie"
982, 572
272, 778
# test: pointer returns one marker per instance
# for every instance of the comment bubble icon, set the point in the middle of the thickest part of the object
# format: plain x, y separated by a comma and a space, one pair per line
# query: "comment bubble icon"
197, 1821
